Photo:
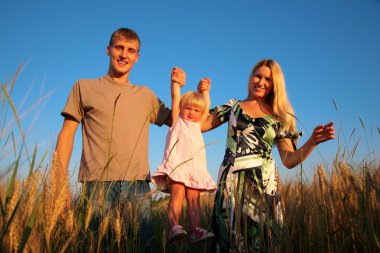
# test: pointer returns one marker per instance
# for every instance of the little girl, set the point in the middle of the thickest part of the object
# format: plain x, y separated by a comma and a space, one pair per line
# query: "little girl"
183, 172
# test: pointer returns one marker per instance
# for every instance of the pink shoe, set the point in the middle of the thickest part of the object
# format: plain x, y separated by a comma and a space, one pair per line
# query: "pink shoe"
199, 235
176, 233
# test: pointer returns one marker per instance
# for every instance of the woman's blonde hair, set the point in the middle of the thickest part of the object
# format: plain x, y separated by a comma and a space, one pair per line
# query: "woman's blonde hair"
193, 98
278, 98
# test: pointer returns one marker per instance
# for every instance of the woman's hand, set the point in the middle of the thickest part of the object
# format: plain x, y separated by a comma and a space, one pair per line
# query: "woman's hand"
204, 85
291, 158
323, 133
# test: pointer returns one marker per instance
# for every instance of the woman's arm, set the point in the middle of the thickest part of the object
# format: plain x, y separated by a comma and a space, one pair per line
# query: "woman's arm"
211, 122
206, 83
291, 158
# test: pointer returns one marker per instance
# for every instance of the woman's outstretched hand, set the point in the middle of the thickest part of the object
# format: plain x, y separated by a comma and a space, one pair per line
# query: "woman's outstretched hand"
323, 133
204, 85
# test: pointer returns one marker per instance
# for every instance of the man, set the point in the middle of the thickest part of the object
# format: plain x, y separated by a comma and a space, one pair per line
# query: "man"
115, 117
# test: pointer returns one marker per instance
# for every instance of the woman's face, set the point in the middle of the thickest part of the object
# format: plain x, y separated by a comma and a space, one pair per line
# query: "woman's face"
261, 83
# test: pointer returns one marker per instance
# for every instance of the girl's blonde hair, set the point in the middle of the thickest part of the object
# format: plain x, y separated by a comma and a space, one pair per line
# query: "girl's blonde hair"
278, 98
193, 98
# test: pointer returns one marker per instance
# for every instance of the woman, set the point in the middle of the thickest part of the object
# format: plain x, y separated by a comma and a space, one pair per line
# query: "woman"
247, 207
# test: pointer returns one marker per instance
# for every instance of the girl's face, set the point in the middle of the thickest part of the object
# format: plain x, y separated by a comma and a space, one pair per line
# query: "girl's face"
191, 113
261, 83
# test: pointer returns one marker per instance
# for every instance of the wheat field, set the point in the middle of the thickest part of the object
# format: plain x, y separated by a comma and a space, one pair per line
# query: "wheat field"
337, 211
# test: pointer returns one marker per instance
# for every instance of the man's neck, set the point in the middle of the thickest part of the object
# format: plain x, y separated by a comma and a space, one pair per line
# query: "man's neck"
123, 79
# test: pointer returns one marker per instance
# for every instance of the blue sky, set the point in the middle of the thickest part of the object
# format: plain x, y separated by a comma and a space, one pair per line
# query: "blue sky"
328, 49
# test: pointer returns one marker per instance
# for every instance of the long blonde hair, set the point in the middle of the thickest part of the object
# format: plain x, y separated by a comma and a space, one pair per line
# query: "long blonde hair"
278, 98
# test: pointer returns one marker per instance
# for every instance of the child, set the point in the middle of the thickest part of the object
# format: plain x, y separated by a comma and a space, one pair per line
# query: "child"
183, 172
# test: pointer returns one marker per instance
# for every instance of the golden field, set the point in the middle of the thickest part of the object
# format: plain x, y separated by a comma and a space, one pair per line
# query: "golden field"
338, 210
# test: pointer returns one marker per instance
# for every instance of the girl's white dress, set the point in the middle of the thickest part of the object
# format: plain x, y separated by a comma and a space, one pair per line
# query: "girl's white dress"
184, 159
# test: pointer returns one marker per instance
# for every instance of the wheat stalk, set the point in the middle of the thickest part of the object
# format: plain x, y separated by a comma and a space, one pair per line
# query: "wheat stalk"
89, 211
15, 225
117, 227
60, 195
103, 229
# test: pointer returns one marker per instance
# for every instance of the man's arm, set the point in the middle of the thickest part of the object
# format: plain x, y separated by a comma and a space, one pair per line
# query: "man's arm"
64, 148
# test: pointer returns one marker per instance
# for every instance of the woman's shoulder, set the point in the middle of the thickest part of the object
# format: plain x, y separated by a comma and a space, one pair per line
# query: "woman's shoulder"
226, 107
232, 101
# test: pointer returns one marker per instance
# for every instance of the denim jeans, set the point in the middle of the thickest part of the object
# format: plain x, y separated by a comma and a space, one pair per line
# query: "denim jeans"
133, 199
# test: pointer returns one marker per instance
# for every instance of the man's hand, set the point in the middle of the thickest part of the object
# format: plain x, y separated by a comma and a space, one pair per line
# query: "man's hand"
178, 77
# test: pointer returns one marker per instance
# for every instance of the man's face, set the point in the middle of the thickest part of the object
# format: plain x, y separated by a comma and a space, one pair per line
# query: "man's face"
123, 54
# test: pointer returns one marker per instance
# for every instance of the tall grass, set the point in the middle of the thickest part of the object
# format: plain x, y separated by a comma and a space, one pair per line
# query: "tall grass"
338, 211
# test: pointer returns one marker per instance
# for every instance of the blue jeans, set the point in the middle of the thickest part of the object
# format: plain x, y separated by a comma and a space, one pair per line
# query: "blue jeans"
133, 199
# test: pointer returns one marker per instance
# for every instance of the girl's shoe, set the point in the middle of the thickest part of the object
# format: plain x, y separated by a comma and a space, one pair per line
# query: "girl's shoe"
176, 233
199, 235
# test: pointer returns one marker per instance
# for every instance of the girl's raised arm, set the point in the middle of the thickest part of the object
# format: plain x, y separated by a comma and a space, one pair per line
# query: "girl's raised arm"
178, 79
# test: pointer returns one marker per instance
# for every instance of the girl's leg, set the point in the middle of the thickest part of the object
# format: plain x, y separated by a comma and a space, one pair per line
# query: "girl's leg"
177, 191
198, 234
193, 208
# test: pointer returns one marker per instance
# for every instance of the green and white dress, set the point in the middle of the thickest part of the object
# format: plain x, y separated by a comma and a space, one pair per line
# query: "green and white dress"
247, 205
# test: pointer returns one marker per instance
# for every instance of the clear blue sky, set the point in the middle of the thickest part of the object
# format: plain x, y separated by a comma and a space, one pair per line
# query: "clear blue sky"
328, 49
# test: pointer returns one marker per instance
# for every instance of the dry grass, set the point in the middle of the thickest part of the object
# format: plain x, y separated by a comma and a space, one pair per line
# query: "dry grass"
337, 212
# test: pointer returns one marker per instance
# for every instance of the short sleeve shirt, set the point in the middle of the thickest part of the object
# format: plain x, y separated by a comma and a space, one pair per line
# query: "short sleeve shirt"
115, 122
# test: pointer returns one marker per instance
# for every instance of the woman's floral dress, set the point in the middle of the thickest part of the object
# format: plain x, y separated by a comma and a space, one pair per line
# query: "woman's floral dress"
247, 205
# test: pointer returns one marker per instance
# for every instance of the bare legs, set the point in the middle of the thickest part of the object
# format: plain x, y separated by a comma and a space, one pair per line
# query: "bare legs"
193, 208
178, 193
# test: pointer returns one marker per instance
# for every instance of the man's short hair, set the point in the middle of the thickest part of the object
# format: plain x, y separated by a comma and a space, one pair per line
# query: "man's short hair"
124, 33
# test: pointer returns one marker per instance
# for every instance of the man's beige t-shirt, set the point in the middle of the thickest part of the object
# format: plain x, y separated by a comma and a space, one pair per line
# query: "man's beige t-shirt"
115, 122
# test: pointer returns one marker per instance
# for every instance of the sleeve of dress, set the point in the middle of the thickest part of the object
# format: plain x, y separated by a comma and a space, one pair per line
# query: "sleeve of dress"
223, 112
292, 136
